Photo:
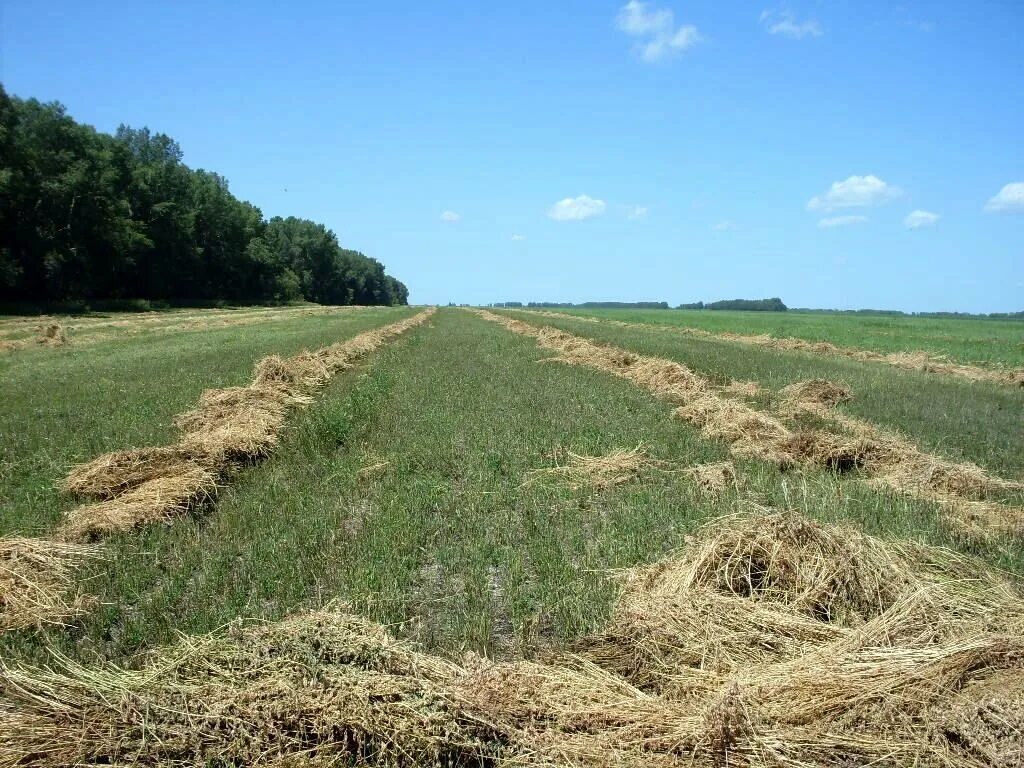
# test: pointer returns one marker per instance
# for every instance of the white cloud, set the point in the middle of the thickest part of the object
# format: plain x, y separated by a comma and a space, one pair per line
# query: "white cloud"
637, 212
841, 221
855, 192
576, 208
919, 219
783, 22
451, 217
655, 30
518, 238
725, 226
1010, 199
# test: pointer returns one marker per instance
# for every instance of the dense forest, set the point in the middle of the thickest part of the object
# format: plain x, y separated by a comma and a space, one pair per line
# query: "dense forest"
87, 215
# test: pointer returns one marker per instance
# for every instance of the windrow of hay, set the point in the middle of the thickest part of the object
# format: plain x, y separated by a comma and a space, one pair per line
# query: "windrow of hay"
768, 640
51, 334
912, 361
600, 472
887, 459
714, 478
138, 486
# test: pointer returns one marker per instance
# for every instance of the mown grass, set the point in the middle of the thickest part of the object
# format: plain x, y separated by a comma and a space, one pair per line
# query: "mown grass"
968, 340
444, 541
955, 418
64, 405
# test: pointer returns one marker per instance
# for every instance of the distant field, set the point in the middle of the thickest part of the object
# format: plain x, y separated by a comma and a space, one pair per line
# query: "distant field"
988, 342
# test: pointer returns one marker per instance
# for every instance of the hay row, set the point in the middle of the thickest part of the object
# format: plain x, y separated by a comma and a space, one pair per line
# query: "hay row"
146, 485
887, 459
769, 640
911, 361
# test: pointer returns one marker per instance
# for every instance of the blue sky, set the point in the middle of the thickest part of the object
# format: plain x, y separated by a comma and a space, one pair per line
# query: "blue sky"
585, 150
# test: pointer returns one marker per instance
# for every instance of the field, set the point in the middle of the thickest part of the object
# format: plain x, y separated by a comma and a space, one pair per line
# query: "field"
590, 543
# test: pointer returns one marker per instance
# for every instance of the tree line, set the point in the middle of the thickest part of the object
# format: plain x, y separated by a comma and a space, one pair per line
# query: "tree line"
745, 305
89, 215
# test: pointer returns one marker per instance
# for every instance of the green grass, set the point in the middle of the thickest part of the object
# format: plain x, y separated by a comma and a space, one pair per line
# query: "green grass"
968, 340
69, 404
959, 419
447, 545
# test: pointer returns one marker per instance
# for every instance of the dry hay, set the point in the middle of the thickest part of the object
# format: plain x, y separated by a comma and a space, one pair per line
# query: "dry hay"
742, 388
156, 500
118, 471
712, 479
912, 361
321, 689
768, 640
34, 578
600, 472
815, 394
886, 459
52, 335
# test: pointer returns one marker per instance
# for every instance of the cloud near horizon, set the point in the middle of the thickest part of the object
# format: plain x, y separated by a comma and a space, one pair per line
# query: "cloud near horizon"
655, 30
576, 208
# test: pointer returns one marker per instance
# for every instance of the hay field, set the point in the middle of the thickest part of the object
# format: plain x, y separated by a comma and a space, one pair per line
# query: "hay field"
475, 545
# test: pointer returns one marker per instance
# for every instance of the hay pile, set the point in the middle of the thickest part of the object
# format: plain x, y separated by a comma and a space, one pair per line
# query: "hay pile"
712, 479
34, 578
52, 335
886, 459
769, 640
145, 485
599, 472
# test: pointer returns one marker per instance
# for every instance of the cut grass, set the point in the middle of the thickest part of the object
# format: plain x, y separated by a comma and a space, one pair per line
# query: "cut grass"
69, 405
968, 340
442, 541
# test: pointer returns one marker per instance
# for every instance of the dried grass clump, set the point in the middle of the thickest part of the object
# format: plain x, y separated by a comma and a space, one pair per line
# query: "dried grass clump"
815, 394
742, 388
237, 422
712, 479
322, 689
52, 335
116, 472
600, 472
156, 500
34, 579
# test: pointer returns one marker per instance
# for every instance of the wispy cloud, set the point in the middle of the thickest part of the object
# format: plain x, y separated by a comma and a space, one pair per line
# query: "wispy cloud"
841, 221
725, 226
655, 30
1009, 199
783, 22
576, 208
854, 192
920, 219
637, 212
518, 238
450, 217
